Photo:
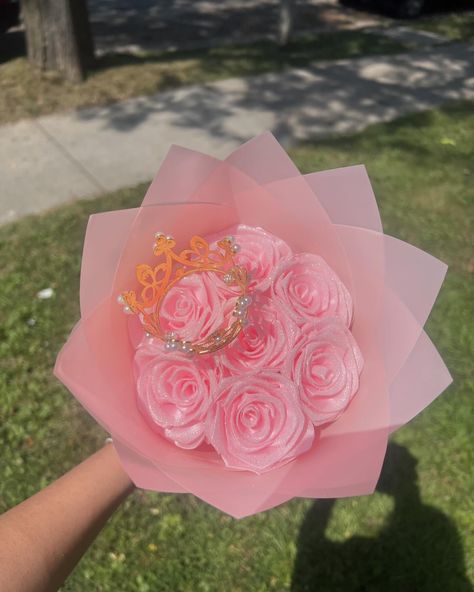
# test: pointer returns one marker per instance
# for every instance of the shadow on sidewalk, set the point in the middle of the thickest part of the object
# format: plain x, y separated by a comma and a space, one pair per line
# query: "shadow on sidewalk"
168, 24
342, 97
418, 550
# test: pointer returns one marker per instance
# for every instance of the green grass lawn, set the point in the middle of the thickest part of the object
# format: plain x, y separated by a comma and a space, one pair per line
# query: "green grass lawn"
24, 92
457, 26
414, 534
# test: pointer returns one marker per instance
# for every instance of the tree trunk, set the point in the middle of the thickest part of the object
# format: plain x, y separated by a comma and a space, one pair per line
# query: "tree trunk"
285, 22
58, 36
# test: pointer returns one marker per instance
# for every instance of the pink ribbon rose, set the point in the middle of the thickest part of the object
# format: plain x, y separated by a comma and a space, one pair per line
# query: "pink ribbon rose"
196, 306
311, 290
265, 340
256, 422
325, 365
174, 394
260, 253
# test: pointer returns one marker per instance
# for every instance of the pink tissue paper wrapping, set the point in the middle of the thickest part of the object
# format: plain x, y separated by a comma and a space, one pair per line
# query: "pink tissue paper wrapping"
332, 214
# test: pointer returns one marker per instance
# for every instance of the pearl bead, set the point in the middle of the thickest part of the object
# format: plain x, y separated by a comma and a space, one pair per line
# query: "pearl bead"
238, 313
169, 237
159, 234
243, 302
127, 310
120, 299
228, 278
235, 248
230, 238
246, 300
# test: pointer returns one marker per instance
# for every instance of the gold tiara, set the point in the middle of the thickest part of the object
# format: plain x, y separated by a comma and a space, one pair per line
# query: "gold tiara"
159, 279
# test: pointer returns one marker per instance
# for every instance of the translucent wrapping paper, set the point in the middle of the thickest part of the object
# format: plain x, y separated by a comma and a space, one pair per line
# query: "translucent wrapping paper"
332, 214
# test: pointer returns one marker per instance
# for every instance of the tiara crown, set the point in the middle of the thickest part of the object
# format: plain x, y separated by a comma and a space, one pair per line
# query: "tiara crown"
156, 281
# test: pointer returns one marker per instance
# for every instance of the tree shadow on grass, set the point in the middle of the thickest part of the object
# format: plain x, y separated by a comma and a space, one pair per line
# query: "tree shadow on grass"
415, 142
265, 55
418, 550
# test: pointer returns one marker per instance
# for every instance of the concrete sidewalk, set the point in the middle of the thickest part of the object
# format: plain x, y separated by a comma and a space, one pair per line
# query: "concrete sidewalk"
58, 158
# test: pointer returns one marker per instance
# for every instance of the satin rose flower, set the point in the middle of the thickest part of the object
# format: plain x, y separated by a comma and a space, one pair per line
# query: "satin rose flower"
256, 423
325, 365
311, 290
196, 307
260, 253
174, 395
264, 342
256, 420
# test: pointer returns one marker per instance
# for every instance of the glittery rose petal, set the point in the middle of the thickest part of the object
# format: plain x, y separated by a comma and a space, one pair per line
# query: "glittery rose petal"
256, 423
325, 364
311, 290
260, 253
264, 342
193, 308
174, 394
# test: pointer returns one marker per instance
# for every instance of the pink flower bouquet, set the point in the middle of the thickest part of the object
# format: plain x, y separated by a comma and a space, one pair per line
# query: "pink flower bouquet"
275, 336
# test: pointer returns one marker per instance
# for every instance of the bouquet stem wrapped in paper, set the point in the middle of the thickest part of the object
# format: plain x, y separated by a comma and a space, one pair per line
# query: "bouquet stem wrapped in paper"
331, 360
